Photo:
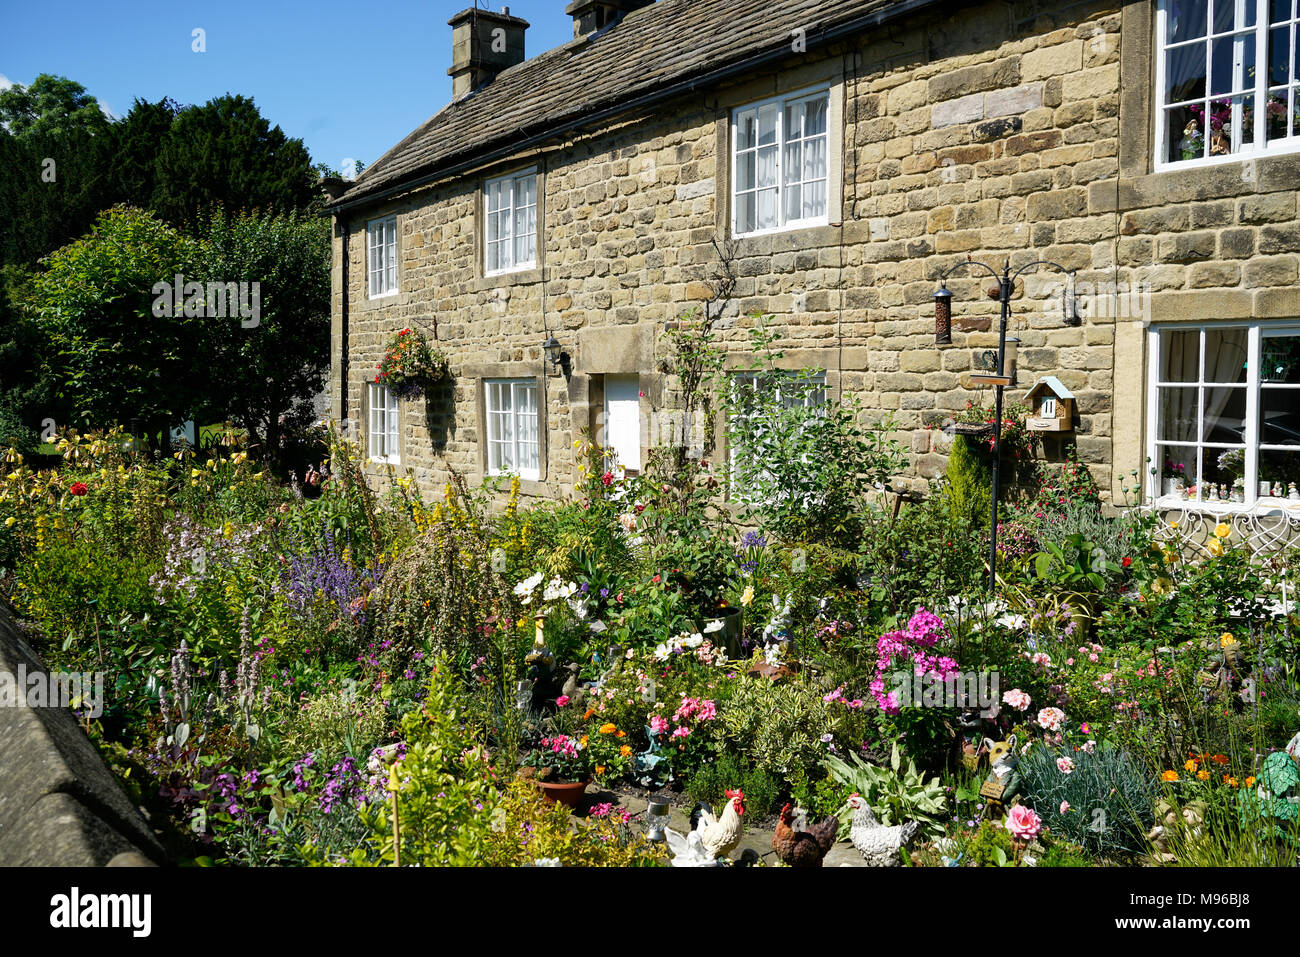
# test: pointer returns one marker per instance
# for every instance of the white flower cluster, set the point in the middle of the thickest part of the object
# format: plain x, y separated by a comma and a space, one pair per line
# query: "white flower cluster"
680, 642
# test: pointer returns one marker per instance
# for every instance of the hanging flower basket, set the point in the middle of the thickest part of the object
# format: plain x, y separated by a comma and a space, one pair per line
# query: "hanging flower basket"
410, 365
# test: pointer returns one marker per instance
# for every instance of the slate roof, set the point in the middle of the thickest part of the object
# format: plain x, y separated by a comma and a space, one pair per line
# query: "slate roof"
669, 42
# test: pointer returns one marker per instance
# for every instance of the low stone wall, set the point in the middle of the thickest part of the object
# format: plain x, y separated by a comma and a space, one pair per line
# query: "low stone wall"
59, 803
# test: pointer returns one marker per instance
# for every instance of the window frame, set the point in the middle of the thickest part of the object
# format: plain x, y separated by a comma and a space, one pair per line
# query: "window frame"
491, 428
380, 427
1254, 386
1260, 145
388, 265
782, 102
513, 179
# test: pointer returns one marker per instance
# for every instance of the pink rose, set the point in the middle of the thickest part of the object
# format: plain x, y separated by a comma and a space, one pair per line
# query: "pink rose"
1023, 823
1065, 766
561, 701
658, 724
1065, 806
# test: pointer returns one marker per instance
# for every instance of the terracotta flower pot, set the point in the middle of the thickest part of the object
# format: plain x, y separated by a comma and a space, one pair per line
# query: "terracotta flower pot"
568, 793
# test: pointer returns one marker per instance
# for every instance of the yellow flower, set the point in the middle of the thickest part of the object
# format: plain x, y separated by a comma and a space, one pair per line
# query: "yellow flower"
625, 751
584, 740
1229, 780
228, 530
195, 473
1250, 781
1190, 765
608, 728
747, 596
10, 521
1169, 776
1203, 775
1215, 547
1226, 640
1173, 524
600, 769
1222, 530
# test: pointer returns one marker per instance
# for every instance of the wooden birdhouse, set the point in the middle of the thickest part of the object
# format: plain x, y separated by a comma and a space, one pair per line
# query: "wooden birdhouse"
1051, 405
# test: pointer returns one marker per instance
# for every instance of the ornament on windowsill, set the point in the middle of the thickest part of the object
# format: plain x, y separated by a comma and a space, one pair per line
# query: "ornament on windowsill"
1292, 494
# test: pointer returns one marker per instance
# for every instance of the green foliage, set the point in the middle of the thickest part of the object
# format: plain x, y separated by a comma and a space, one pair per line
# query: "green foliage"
50, 105
264, 377
804, 465
113, 360
970, 484
990, 845
446, 797
224, 155
336, 722
729, 772
1110, 796
778, 725
896, 794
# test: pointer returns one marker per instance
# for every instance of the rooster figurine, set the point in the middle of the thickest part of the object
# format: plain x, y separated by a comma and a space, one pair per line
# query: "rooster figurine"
803, 848
879, 846
721, 836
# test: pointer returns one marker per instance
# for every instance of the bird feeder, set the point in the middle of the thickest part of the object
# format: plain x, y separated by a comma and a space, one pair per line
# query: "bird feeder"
1051, 406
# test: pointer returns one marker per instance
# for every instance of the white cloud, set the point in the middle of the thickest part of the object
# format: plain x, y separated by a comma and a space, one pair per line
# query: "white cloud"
5, 82
107, 110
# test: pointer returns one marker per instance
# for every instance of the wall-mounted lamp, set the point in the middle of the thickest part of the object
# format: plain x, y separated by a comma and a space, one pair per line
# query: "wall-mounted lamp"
943, 316
555, 353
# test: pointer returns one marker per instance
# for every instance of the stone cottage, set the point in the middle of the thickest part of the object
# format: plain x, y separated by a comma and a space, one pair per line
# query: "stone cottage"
843, 155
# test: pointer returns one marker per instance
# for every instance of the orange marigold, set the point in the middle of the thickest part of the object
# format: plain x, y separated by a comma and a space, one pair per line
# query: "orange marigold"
1169, 776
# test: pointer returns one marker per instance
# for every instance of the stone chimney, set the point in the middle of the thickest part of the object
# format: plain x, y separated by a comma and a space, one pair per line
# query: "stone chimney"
592, 15
483, 44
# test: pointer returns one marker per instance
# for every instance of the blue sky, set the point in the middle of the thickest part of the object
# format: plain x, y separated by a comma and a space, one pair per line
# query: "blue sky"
349, 79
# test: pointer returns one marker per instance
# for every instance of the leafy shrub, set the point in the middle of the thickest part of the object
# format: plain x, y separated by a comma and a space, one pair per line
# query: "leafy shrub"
1110, 797
728, 772
896, 794
335, 723
970, 484
778, 725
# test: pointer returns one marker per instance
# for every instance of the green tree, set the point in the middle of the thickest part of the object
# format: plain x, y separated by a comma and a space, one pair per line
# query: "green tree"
226, 155
51, 105
264, 376
111, 358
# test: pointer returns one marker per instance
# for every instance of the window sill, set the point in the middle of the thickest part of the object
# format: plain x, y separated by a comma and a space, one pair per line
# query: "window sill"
507, 277
787, 239
384, 462
1289, 148
1267, 506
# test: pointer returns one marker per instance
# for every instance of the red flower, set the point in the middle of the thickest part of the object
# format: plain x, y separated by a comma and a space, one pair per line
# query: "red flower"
607, 478
655, 580
78, 488
1127, 561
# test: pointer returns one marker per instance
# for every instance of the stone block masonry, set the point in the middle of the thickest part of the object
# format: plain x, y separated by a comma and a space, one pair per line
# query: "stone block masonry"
963, 132
59, 803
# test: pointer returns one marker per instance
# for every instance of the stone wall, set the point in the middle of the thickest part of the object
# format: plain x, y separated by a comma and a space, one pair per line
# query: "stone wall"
992, 132
59, 803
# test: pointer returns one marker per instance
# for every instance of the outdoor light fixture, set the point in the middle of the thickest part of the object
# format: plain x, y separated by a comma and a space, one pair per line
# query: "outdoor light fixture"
554, 352
1000, 366
656, 820
943, 317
